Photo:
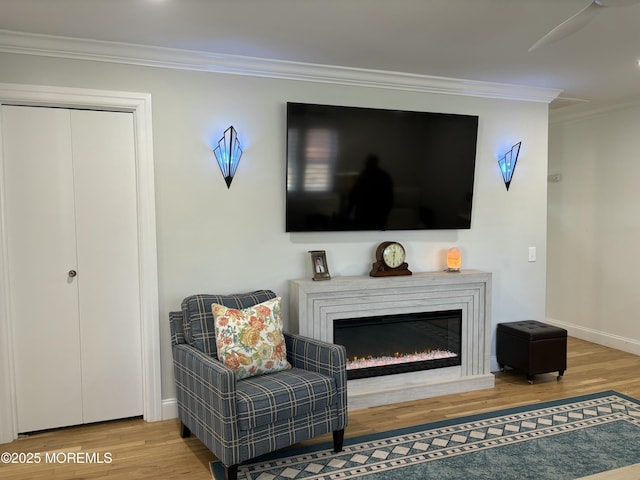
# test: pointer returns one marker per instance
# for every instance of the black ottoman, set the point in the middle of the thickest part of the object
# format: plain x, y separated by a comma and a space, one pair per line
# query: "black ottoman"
532, 347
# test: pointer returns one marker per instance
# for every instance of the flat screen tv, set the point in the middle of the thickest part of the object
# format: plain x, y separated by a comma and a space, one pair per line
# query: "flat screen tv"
354, 169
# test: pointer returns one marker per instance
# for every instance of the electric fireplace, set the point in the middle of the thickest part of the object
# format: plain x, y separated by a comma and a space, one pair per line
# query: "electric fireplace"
390, 344
315, 307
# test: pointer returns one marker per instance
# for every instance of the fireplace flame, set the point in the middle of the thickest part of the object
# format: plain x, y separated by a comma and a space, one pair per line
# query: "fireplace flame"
397, 358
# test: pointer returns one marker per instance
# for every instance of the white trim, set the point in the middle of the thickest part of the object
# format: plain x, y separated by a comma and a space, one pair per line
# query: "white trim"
597, 336
8, 415
169, 408
139, 104
114, 52
570, 114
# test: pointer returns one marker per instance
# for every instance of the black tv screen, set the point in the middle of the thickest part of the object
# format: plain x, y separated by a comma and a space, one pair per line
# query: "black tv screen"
351, 168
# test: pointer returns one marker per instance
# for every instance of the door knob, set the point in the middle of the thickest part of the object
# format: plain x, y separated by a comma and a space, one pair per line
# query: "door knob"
72, 273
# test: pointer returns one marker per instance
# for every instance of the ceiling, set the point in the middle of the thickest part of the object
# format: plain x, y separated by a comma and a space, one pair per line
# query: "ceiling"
482, 40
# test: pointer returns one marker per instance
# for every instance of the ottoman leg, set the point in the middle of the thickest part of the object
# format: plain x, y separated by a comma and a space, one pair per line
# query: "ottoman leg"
560, 374
530, 379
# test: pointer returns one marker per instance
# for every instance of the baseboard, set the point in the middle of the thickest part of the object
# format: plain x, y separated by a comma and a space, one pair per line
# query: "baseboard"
595, 336
169, 408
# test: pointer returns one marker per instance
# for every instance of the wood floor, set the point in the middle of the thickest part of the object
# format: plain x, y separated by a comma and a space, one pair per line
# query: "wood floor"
140, 450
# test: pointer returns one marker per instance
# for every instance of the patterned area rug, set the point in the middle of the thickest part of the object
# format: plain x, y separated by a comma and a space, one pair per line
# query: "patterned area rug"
563, 439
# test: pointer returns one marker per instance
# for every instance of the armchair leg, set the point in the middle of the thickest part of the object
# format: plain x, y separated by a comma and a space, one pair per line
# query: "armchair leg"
231, 472
184, 431
338, 439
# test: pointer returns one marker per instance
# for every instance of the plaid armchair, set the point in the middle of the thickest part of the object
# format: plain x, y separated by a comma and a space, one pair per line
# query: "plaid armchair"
242, 419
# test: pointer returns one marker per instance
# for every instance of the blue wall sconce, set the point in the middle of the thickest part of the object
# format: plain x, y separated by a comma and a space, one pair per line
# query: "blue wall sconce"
228, 153
508, 163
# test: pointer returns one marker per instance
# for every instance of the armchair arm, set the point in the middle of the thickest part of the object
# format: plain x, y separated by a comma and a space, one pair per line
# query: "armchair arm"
206, 391
315, 355
321, 357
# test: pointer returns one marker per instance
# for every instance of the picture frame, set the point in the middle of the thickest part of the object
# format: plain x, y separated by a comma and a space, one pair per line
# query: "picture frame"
319, 265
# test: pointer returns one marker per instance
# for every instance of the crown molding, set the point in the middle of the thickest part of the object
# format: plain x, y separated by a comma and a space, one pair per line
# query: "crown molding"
585, 111
114, 52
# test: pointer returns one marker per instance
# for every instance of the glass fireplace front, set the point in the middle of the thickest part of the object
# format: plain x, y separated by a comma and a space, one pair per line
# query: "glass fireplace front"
390, 344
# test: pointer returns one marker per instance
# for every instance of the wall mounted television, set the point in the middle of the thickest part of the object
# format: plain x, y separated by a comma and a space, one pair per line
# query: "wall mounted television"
357, 169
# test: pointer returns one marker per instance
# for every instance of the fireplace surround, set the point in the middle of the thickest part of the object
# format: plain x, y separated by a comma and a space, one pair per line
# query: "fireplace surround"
315, 306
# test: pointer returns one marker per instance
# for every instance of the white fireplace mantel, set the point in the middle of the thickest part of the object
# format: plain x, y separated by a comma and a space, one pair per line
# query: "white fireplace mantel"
314, 305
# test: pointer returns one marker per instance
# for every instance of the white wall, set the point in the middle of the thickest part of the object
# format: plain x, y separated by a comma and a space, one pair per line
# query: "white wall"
594, 226
211, 239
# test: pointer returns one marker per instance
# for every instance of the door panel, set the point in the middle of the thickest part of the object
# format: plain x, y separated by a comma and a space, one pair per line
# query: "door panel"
41, 246
70, 184
108, 276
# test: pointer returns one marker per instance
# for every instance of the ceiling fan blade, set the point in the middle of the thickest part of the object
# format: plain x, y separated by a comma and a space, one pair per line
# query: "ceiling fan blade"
570, 26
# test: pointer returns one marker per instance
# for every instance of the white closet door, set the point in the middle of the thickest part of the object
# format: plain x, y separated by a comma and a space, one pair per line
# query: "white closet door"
108, 276
71, 205
40, 225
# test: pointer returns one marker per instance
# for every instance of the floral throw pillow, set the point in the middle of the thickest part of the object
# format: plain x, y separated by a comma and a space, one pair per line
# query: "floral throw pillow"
250, 341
